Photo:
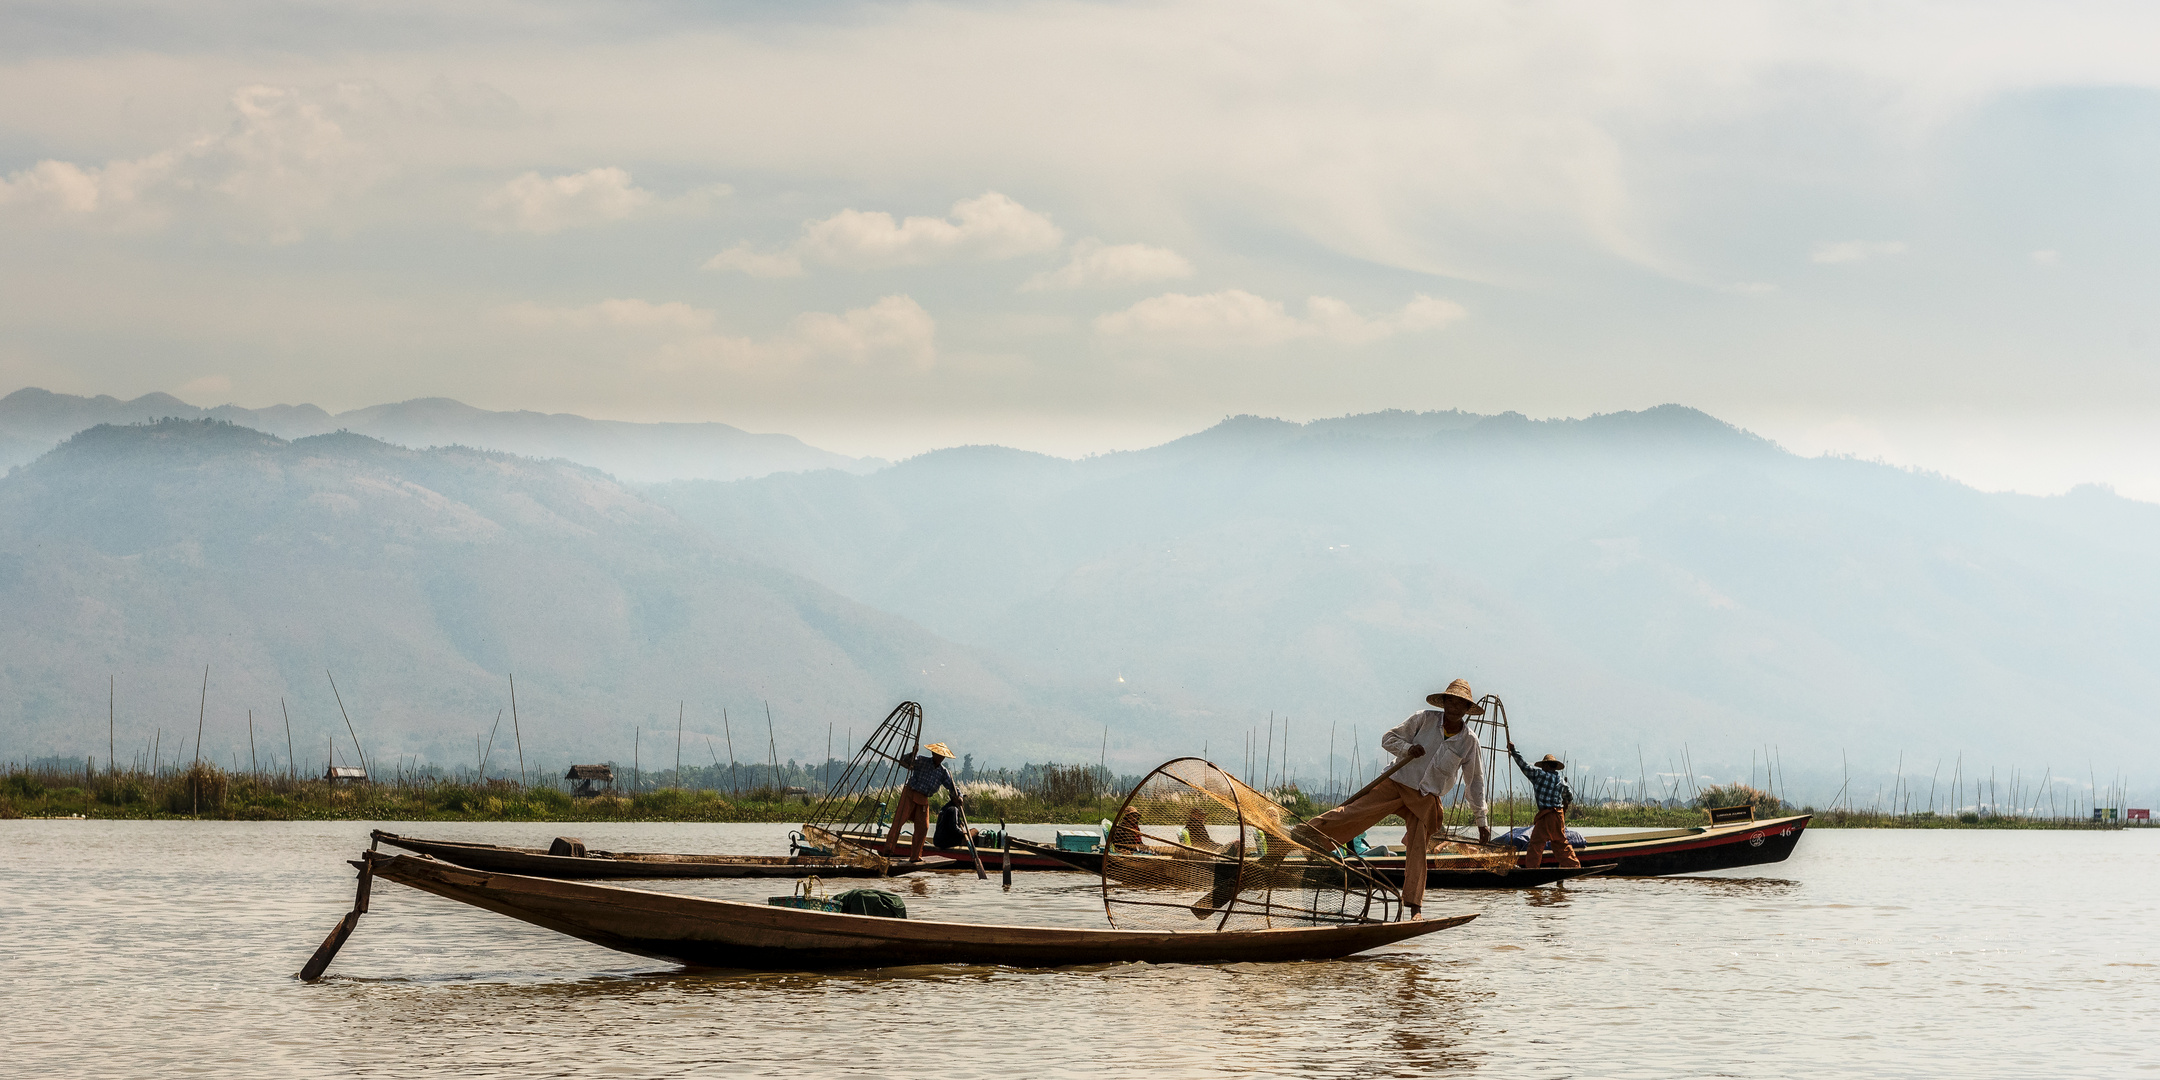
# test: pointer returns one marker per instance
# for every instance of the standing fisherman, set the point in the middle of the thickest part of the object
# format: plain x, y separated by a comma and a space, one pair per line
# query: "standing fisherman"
1445, 748
926, 774
1554, 796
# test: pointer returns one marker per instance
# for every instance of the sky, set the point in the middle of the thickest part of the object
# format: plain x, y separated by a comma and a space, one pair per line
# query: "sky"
1926, 233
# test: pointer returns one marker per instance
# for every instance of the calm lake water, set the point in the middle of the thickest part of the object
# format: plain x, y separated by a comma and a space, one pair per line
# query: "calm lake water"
166, 949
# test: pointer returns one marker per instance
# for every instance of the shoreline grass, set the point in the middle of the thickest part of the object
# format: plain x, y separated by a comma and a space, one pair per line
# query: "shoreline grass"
205, 792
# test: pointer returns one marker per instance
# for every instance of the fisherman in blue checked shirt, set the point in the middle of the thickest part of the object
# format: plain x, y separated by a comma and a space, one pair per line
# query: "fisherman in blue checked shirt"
1554, 796
926, 774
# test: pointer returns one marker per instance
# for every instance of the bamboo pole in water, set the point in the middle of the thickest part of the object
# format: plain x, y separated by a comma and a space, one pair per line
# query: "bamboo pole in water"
358, 750
772, 746
490, 751
515, 732
292, 760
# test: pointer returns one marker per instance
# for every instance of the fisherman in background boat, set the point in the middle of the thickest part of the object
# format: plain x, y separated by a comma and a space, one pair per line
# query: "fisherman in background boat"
1445, 750
926, 774
1554, 796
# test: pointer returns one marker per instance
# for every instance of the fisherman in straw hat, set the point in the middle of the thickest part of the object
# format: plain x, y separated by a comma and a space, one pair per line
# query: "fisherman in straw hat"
1436, 748
1554, 796
926, 774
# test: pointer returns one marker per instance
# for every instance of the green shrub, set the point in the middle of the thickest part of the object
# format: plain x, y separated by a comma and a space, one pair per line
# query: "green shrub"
200, 790
1736, 794
123, 792
24, 785
550, 801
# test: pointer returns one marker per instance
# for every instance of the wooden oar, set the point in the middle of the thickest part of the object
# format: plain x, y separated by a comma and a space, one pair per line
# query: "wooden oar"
1313, 838
980, 874
328, 950
1367, 789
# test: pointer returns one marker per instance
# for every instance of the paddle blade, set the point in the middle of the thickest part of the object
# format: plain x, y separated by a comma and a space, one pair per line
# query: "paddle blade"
328, 950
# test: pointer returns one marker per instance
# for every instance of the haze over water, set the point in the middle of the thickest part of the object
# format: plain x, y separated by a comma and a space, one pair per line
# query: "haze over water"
167, 949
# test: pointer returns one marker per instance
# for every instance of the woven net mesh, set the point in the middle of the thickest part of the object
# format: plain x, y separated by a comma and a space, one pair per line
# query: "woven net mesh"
1193, 849
850, 822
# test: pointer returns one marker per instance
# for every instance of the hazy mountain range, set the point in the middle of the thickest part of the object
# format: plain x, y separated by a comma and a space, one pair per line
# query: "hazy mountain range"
1633, 583
33, 421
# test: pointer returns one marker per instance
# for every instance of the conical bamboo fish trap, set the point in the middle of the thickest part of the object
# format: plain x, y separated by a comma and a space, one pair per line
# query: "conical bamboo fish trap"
852, 814
1193, 849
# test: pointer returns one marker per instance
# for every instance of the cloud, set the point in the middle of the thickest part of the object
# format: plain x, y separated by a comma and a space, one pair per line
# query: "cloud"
764, 264
893, 332
1237, 317
630, 314
288, 155
895, 326
1850, 251
545, 204
987, 228
1095, 264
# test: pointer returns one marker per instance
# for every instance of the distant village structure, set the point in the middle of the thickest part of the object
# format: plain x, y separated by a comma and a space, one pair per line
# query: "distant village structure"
587, 776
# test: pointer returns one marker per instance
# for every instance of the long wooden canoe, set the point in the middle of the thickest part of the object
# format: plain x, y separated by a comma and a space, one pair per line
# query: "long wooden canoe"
628, 864
1657, 852
701, 932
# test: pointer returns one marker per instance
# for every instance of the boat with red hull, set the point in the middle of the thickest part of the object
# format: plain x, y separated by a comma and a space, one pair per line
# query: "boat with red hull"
1694, 850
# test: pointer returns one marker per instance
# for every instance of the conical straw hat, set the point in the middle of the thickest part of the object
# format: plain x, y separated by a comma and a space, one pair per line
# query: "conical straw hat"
940, 749
1460, 691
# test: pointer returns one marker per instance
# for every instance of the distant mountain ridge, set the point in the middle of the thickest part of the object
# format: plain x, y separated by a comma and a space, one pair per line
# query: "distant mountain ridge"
1658, 583
423, 579
1659, 578
33, 421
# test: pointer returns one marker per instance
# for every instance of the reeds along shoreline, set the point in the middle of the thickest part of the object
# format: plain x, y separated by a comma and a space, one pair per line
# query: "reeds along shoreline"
208, 792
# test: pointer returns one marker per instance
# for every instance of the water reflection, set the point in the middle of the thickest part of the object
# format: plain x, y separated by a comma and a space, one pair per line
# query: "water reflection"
166, 948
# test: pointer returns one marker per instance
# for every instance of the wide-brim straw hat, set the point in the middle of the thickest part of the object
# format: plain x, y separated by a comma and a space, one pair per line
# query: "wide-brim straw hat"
1458, 691
1552, 763
940, 749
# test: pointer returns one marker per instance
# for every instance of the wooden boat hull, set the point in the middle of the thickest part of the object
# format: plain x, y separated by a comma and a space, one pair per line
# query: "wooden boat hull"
702, 932
1723, 847
1660, 852
536, 862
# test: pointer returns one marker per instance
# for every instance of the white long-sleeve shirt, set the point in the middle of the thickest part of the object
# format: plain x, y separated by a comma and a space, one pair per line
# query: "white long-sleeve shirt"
1446, 759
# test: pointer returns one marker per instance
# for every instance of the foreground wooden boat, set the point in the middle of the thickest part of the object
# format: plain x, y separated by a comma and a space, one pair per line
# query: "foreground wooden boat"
701, 932
537, 862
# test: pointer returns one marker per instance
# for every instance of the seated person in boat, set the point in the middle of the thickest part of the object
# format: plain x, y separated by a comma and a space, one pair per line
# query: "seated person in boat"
1125, 836
1433, 749
926, 774
1194, 841
1554, 796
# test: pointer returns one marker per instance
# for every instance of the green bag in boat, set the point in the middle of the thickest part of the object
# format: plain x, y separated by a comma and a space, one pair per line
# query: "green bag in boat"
876, 902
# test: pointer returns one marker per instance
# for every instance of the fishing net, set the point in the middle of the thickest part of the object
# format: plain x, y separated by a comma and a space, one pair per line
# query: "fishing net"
1194, 849
850, 822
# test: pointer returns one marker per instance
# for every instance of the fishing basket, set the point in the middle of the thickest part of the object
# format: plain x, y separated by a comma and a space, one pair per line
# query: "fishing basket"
1194, 849
809, 893
849, 822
